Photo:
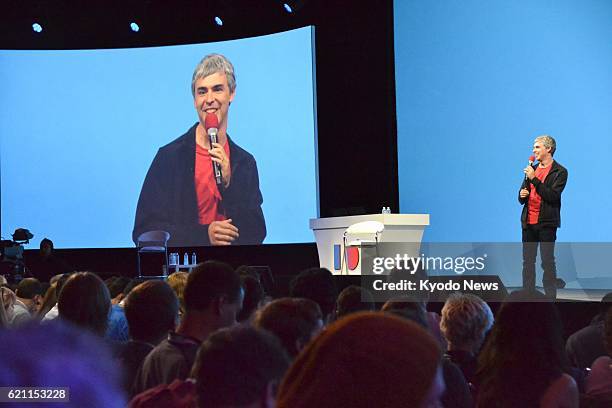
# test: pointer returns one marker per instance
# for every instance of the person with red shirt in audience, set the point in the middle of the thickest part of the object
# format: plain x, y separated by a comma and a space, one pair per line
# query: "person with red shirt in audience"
540, 195
180, 194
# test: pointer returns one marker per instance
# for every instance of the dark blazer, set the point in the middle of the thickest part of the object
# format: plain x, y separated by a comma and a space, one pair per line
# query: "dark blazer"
168, 199
550, 190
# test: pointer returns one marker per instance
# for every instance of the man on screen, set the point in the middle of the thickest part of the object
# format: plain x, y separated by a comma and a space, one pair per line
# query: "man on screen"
180, 194
540, 195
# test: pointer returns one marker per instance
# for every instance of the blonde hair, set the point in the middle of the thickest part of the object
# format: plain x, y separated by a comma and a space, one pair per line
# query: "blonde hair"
178, 282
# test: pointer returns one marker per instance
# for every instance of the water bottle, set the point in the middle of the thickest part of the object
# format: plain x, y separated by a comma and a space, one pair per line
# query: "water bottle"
186, 259
194, 260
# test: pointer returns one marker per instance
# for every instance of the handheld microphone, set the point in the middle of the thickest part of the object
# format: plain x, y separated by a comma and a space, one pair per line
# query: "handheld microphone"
211, 123
531, 161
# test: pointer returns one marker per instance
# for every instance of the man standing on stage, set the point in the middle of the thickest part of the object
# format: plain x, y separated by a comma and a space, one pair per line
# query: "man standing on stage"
540, 195
180, 194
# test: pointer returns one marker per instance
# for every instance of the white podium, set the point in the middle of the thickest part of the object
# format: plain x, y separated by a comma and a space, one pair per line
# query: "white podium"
329, 233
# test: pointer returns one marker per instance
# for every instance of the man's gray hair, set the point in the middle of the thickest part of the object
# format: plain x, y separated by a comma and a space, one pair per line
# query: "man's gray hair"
549, 142
211, 64
466, 319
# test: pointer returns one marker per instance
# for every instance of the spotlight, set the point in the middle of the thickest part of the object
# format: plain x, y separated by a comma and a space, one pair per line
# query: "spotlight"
135, 28
218, 21
37, 28
287, 8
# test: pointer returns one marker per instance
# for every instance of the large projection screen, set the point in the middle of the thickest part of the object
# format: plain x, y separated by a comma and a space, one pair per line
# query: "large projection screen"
79, 130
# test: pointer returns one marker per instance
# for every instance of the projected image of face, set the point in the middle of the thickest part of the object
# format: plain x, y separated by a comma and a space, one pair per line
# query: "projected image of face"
212, 95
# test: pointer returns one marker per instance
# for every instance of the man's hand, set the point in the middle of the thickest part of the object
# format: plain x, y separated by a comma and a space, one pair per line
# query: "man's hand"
524, 193
529, 172
222, 232
217, 154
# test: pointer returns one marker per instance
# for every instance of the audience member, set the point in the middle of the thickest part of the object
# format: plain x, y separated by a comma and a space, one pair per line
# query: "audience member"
116, 286
457, 392
151, 310
59, 355
316, 284
293, 321
466, 319
85, 302
239, 367
421, 297
47, 264
523, 362
599, 381
366, 360
178, 281
7, 304
59, 281
253, 298
28, 298
354, 299
213, 298
584, 346
117, 330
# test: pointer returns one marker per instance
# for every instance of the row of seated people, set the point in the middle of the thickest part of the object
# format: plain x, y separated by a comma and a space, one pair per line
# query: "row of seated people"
212, 338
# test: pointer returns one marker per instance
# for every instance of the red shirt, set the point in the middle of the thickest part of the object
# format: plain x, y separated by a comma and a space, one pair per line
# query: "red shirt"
534, 198
206, 189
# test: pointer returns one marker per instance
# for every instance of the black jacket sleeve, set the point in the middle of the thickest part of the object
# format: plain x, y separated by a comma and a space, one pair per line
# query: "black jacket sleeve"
242, 202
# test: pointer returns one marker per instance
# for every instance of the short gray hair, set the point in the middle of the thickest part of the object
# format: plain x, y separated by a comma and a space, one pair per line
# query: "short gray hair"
211, 64
549, 142
465, 319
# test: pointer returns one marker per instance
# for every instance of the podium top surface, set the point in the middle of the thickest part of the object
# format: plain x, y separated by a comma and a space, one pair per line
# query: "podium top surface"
386, 219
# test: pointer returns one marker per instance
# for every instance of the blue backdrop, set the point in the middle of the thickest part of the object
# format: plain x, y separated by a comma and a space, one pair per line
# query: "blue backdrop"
79, 129
476, 82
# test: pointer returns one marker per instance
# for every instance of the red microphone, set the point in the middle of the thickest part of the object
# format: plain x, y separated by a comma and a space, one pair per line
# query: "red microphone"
531, 158
531, 161
211, 124
211, 121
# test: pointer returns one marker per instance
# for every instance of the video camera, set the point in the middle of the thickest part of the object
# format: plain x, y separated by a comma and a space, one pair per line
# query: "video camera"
11, 265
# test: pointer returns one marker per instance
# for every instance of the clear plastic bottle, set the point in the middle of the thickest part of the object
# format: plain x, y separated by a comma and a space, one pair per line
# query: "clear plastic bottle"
186, 259
194, 259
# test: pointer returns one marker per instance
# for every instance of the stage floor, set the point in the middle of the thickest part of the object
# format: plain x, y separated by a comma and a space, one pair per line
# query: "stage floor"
575, 295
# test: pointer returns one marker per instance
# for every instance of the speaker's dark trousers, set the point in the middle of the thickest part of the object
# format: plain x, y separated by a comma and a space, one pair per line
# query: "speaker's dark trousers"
544, 237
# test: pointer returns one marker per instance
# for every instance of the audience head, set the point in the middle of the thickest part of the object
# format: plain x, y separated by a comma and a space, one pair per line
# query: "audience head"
316, 284
365, 360
30, 292
116, 286
151, 310
59, 355
407, 309
239, 367
524, 352
214, 288
605, 305
46, 247
8, 304
178, 281
293, 320
131, 285
466, 319
253, 297
354, 299
85, 302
